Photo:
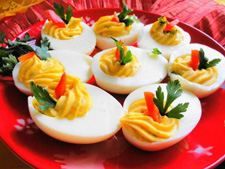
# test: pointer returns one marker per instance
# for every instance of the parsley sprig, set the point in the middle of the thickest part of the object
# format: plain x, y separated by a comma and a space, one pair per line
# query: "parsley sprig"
65, 15
125, 57
43, 97
124, 15
173, 92
204, 62
21, 46
162, 20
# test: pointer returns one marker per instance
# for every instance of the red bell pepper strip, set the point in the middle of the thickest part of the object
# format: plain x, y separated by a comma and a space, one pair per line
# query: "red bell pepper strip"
61, 87
115, 19
117, 54
52, 16
169, 26
152, 109
194, 63
26, 56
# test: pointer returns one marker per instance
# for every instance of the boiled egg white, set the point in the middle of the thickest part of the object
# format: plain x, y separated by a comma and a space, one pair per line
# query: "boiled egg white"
185, 126
83, 43
151, 70
100, 123
145, 41
76, 64
198, 89
107, 42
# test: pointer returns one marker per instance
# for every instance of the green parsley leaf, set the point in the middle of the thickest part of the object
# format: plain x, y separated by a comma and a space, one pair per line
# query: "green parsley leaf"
124, 15
59, 10
156, 51
212, 63
127, 58
43, 97
42, 51
162, 20
204, 63
65, 15
20, 47
159, 100
7, 64
203, 59
69, 14
176, 111
26, 38
124, 57
173, 92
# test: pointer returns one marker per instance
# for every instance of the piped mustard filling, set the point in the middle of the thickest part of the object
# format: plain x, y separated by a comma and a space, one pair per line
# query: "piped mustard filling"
110, 66
108, 28
204, 76
76, 101
143, 127
73, 28
45, 73
174, 37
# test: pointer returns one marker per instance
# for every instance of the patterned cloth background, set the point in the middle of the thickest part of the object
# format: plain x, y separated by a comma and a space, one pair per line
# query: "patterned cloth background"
207, 15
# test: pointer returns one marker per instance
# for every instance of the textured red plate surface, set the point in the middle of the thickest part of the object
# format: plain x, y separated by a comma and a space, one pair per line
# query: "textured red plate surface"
203, 148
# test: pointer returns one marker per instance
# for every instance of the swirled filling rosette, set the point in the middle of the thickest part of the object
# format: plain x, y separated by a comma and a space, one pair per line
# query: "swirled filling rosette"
165, 35
122, 26
159, 115
67, 32
199, 68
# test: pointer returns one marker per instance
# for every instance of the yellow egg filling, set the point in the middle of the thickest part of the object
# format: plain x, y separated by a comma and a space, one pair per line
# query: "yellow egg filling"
108, 28
174, 37
204, 76
73, 28
110, 66
143, 127
76, 101
45, 73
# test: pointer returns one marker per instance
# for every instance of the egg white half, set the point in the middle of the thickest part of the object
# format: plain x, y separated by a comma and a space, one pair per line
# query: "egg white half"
100, 123
186, 124
145, 41
151, 70
20, 86
107, 42
84, 43
198, 89
76, 64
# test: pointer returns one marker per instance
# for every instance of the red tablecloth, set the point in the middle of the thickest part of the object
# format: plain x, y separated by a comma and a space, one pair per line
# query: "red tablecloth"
206, 15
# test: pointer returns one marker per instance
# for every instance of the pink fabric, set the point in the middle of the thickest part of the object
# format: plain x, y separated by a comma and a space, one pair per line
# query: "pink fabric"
206, 15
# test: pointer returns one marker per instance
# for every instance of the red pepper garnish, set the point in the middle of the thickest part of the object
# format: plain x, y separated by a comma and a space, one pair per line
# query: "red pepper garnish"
26, 56
61, 87
51, 15
152, 109
135, 44
117, 54
194, 63
115, 18
170, 25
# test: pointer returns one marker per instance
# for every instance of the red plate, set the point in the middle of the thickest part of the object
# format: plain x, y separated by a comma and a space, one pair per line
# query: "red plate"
203, 148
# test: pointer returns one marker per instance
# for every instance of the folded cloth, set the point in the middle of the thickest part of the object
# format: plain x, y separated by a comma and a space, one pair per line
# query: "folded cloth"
207, 15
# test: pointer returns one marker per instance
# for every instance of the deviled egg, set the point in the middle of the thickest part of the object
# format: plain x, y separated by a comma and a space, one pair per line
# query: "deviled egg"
46, 73
121, 26
125, 68
71, 33
154, 122
164, 35
81, 114
199, 68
